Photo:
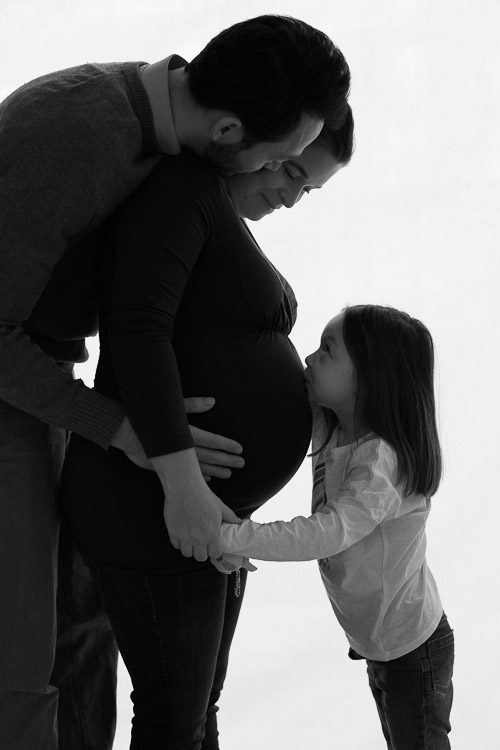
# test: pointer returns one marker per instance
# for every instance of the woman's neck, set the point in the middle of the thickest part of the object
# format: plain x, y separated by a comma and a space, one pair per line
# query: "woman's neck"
225, 186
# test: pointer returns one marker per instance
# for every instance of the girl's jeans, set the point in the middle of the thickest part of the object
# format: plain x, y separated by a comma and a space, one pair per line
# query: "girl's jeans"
414, 693
174, 633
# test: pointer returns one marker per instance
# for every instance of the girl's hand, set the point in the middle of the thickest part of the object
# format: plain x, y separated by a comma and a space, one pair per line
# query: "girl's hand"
228, 563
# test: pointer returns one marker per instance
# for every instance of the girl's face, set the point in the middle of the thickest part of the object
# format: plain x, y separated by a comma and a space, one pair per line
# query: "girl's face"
256, 194
330, 375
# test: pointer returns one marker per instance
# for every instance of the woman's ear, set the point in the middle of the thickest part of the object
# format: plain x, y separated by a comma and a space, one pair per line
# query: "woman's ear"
227, 130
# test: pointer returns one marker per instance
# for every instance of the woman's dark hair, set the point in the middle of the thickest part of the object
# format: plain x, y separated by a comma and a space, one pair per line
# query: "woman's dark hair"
339, 142
270, 71
393, 356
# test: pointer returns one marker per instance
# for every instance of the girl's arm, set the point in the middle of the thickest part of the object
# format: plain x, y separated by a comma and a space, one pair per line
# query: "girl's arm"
363, 500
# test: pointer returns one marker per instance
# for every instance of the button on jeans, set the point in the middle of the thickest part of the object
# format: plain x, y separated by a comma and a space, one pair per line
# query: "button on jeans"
414, 693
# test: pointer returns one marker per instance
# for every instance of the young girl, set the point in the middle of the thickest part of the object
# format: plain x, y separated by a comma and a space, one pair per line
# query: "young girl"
376, 464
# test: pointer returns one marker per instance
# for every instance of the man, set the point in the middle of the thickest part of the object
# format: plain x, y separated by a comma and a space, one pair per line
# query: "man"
74, 144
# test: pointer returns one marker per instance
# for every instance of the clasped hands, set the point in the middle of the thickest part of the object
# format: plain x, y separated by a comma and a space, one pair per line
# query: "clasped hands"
193, 514
228, 563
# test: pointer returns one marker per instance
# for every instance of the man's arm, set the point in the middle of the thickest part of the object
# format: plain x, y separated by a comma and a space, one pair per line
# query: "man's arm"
32, 382
52, 190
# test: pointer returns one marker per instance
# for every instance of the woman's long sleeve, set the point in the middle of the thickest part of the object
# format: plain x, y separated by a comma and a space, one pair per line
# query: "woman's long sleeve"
162, 230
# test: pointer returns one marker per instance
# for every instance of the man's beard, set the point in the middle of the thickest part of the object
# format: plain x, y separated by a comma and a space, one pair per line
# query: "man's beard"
226, 158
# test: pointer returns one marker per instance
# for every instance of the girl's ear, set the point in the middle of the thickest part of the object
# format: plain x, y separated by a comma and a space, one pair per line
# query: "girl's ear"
227, 130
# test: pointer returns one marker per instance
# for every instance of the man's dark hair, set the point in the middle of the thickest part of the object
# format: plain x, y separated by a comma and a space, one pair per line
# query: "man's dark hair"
270, 71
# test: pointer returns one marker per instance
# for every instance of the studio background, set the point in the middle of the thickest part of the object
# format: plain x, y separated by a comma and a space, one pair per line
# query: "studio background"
410, 223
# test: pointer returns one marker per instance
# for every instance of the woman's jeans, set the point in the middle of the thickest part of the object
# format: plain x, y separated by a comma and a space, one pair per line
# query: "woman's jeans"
174, 633
414, 693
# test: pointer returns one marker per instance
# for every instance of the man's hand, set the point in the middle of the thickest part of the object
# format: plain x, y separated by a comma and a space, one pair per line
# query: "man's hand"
217, 455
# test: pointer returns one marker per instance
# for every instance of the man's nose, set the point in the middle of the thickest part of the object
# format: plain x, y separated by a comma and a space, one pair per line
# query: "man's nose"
309, 360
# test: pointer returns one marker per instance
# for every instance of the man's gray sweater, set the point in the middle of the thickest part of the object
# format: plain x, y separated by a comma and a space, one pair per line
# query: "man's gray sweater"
73, 145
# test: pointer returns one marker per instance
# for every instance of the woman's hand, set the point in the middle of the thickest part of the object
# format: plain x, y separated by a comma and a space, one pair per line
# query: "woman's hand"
193, 522
193, 513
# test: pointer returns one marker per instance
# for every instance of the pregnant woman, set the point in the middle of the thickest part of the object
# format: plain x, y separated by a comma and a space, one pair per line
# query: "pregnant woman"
189, 305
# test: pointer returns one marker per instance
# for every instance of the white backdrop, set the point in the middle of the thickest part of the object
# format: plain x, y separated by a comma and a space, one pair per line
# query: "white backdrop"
411, 223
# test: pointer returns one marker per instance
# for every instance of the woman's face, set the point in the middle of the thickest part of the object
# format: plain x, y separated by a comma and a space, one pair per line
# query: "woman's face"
256, 194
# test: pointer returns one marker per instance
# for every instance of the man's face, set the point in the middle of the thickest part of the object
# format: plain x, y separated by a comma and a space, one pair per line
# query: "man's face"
232, 159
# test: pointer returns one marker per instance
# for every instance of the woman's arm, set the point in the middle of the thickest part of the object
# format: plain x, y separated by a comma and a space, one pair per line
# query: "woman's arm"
217, 455
162, 230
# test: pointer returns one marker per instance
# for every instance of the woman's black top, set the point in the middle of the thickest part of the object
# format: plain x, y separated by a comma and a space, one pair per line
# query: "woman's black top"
188, 306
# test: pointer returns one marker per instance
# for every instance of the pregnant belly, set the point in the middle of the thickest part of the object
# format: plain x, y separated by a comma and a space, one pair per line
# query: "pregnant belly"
257, 380
115, 509
274, 430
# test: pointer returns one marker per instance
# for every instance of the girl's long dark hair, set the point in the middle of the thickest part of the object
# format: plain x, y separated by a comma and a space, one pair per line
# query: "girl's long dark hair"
393, 356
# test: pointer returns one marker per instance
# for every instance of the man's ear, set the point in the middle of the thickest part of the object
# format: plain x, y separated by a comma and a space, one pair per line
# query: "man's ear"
227, 130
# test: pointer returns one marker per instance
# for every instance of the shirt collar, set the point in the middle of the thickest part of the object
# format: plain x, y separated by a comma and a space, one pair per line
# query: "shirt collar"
155, 80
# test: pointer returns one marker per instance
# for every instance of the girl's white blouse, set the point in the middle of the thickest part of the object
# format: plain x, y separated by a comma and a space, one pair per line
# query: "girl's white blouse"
369, 540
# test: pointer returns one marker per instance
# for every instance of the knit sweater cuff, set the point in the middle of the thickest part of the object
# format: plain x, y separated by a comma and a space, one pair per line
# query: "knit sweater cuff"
96, 417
